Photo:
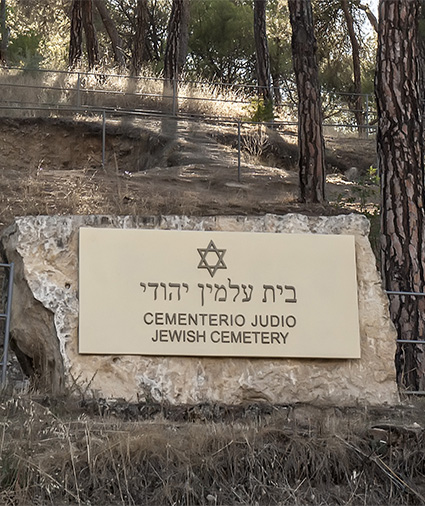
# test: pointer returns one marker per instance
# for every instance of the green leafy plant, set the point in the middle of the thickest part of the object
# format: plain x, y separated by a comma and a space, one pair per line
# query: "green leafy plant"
24, 49
260, 110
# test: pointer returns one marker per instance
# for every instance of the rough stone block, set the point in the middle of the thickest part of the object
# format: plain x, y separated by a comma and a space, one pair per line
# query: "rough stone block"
44, 324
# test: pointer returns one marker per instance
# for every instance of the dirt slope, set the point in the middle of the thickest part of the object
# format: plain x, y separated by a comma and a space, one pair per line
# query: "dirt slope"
54, 166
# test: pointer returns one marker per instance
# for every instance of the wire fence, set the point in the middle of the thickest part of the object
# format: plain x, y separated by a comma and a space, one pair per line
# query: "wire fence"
25, 89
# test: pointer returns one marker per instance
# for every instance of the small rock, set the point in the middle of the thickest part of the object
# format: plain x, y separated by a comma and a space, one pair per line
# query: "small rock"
352, 174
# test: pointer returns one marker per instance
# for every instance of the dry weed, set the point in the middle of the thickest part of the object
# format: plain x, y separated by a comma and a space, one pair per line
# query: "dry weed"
35, 89
259, 455
255, 140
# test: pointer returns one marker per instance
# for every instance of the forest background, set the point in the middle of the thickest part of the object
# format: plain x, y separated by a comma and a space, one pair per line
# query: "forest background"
221, 43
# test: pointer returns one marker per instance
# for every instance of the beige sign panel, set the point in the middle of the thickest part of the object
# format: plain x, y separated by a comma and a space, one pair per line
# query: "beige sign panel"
154, 292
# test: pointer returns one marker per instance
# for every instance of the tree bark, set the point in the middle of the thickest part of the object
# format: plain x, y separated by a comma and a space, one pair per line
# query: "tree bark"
310, 136
4, 33
400, 158
275, 71
262, 50
139, 50
277, 94
92, 45
76, 34
177, 40
357, 101
421, 43
114, 36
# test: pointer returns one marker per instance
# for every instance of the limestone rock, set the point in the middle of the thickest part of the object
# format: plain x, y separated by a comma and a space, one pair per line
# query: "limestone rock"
44, 325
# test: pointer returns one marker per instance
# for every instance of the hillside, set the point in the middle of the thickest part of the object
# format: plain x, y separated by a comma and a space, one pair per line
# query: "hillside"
54, 166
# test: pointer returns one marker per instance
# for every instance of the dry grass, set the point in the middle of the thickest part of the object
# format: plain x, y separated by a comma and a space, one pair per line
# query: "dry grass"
180, 456
106, 90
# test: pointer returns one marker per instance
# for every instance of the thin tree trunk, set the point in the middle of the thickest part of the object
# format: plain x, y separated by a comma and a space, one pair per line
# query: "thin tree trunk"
262, 50
139, 50
357, 100
177, 40
114, 36
175, 57
76, 34
275, 71
154, 50
4, 33
310, 136
421, 62
92, 45
370, 16
400, 157
277, 94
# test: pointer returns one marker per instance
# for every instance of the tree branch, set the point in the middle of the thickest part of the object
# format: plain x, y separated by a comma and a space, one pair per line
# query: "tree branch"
370, 15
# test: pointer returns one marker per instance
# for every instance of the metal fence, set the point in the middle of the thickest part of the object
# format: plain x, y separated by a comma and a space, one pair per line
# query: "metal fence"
6, 276
63, 89
38, 93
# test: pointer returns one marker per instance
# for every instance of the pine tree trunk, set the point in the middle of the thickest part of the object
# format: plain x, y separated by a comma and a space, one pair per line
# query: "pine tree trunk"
76, 34
310, 136
175, 57
139, 50
277, 94
92, 45
275, 71
357, 100
421, 42
262, 50
177, 40
4, 33
112, 32
400, 157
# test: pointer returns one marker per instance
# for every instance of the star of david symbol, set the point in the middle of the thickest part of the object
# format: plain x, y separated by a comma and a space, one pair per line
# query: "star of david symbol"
208, 263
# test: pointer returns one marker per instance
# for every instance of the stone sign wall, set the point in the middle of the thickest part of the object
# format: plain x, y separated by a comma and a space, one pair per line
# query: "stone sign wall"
44, 325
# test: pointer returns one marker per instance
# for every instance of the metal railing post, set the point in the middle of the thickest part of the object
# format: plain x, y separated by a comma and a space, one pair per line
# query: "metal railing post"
78, 90
239, 151
174, 97
367, 116
7, 324
103, 138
